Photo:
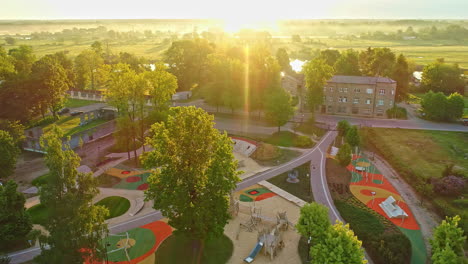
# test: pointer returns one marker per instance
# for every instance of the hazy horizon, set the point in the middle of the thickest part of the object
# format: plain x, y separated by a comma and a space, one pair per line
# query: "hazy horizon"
248, 11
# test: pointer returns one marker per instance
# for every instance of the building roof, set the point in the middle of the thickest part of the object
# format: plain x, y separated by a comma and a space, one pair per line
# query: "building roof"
359, 79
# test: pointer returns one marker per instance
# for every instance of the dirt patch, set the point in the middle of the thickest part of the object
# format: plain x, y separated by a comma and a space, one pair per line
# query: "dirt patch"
29, 166
338, 179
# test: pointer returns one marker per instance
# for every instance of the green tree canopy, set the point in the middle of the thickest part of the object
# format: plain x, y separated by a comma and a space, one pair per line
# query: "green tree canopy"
316, 73
162, 85
352, 136
348, 63
7, 68
23, 59
445, 256
401, 74
278, 107
87, 64
448, 234
441, 77
330, 56
14, 221
455, 106
377, 62
283, 60
344, 155
314, 222
196, 172
9, 152
434, 105
74, 223
343, 126
339, 246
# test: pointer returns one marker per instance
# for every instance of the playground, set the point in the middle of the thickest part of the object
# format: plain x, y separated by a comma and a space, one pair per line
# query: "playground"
130, 179
136, 245
371, 187
254, 193
262, 230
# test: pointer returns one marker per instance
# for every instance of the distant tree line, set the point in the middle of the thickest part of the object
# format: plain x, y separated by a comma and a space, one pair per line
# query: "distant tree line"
450, 32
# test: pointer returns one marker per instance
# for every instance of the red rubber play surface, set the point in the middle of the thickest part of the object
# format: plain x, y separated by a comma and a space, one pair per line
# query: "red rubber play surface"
133, 179
143, 187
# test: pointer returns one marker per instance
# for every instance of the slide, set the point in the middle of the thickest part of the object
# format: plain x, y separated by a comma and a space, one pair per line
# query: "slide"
254, 252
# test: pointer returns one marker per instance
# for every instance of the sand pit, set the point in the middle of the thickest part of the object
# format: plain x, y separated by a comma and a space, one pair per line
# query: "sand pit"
249, 166
247, 240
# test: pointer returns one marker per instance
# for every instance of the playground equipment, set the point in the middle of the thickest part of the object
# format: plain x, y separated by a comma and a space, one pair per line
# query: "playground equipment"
391, 208
254, 252
293, 176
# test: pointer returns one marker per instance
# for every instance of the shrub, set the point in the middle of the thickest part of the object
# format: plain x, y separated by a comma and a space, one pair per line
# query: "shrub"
397, 112
391, 249
303, 141
41, 122
450, 185
343, 127
462, 203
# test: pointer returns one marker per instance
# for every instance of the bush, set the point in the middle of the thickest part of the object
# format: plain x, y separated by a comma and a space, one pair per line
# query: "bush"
43, 179
397, 112
41, 122
450, 185
391, 249
343, 127
462, 203
303, 142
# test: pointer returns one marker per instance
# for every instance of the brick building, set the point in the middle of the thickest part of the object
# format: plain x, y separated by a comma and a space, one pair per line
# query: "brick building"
358, 96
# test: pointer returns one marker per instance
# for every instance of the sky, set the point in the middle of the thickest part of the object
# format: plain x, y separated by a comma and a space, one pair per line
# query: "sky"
233, 10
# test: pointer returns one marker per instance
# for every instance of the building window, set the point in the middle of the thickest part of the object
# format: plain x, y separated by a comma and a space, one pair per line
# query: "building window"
331, 89
381, 102
379, 112
356, 100
340, 90
330, 98
369, 91
357, 90
341, 109
345, 90
330, 109
366, 111
324, 98
382, 91
345, 99
340, 99
355, 110
393, 92
368, 101
391, 102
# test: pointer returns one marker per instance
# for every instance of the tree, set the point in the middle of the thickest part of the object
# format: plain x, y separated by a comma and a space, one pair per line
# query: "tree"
196, 172
15, 222
434, 106
279, 107
448, 235
455, 106
23, 59
401, 74
314, 222
10, 40
283, 60
75, 225
344, 155
187, 60
330, 56
348, 63
51, 81
441, 77
445, 256
339, 246
7, 68
161, 86
352, 136
377, 62
87, 64
316, 73
343, 126
10, 151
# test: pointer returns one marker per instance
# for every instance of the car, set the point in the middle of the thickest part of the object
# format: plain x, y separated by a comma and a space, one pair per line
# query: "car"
75, 113
63, 111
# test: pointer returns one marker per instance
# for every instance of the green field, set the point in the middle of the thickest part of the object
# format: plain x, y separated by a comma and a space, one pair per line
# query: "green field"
70, 125
179, 249
39, 214
72, 103
116, 205
301, 189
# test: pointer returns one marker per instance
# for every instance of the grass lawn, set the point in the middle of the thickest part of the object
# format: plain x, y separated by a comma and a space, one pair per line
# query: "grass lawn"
285, 156
300, 189
310, 129
117, 205
40, 180
70, 125
419, 155
72, 103
179, 249
289, 139
39, 214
